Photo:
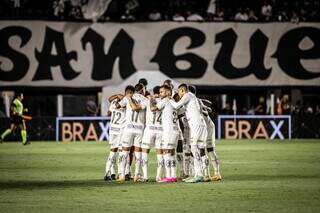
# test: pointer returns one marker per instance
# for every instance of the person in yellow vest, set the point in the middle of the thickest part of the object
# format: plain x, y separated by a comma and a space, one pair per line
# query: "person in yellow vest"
17, 120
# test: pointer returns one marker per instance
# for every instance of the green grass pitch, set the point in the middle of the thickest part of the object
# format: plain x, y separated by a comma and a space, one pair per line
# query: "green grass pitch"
259, 176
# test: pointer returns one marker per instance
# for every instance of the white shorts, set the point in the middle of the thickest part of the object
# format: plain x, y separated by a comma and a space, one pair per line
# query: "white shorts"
170, 139
151, 138
115, 134
198, 135
115, 140
130, 139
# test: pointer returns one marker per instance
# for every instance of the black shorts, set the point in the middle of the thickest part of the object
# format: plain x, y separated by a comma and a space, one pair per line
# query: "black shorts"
16, 120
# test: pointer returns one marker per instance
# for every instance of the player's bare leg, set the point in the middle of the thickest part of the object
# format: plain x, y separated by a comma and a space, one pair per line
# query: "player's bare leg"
7, 132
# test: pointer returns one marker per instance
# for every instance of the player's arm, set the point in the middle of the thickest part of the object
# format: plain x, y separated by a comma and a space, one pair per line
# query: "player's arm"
183, 101
111, 107
134, 106
113, 97
206, 102
122, 103
208, 109
205, 107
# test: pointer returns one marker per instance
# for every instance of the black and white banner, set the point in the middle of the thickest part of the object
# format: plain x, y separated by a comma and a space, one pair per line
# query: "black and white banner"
82, 55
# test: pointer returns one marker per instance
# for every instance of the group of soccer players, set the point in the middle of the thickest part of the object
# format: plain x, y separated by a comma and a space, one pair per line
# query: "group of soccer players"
177, 125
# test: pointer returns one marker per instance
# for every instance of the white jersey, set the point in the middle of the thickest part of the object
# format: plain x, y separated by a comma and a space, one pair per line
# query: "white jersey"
169, 115
135, 121
117, 118
192, 106
153, 119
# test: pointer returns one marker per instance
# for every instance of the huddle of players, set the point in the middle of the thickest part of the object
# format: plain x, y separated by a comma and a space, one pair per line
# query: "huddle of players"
178, 126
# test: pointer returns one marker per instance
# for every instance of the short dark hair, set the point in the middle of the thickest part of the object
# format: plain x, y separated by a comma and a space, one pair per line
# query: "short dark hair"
166, 87
192, 89
185, 86
143, 81
138, 87
156, 90
129, 88
19, 94
169, 82
176, 97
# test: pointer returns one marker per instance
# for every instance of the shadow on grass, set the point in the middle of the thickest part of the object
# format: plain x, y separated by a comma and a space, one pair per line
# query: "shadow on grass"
42, 184
266, 177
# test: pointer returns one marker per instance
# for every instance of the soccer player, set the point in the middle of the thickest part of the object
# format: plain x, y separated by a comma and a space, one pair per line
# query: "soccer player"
17, 120
144, 82
115, 132
152, 136
170, 133
135, 105
185, 156
210, 143
198, 132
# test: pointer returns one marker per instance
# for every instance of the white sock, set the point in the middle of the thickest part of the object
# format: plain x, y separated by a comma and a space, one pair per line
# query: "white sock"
114, 163
160, 165
144, 164
205, 165
167, 166
173, 166
186, 162
191, 165
109, 162
127, 169
215, 162
137, 164
197, 160
118, 162
123, 162
180, 163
